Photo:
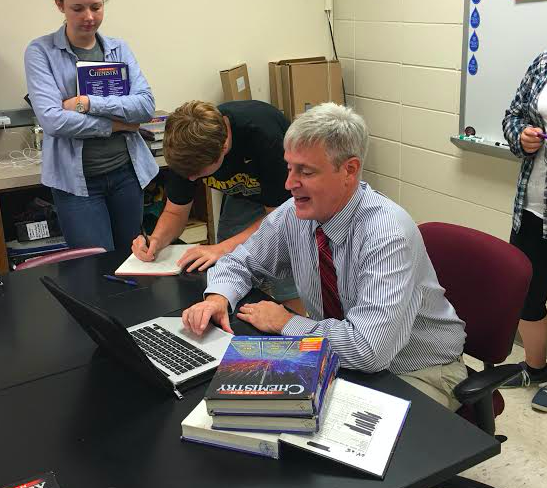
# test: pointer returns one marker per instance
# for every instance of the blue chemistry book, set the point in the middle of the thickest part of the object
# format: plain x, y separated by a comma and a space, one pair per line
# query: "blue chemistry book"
296, 424
102, 79
271, 376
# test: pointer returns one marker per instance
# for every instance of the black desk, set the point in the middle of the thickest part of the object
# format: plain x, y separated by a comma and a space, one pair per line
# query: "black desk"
39, 338
97, 426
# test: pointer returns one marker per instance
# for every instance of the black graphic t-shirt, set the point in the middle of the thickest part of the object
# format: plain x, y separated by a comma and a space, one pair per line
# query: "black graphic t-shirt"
254, 168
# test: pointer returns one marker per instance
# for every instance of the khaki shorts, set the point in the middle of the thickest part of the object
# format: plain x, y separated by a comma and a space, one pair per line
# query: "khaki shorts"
438, 382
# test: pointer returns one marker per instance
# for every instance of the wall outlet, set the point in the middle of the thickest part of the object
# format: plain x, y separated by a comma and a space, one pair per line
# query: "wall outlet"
4, 120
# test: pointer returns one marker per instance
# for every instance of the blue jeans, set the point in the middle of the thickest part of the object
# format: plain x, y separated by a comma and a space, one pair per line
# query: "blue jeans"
238, 214
110, 217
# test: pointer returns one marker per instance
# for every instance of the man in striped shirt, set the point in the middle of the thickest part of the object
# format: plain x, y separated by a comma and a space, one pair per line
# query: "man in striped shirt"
392, 311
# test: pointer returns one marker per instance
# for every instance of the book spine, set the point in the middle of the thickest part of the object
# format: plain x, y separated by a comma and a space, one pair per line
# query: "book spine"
273, 430
35, 250
327, 389
269, 451
324, 356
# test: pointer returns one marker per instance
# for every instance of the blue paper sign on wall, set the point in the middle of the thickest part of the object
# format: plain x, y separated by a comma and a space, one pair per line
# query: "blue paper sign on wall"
475, 19
473, 66
474, 42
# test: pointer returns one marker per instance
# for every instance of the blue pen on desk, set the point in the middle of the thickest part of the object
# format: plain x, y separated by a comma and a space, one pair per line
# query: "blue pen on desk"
120, 280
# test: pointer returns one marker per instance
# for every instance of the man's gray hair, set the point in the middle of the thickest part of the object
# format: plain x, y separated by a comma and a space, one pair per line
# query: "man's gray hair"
341, 131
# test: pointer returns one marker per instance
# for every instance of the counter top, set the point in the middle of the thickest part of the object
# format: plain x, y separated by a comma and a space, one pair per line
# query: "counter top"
12, 177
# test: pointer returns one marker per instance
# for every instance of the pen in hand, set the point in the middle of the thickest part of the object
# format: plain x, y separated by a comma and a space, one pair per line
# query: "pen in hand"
145, 235
120, 280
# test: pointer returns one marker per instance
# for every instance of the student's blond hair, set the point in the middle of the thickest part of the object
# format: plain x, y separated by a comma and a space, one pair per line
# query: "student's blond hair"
194, 137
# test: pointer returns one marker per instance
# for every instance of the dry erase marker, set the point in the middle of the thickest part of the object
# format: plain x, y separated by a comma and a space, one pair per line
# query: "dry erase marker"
471, 138
542, 136
120, 280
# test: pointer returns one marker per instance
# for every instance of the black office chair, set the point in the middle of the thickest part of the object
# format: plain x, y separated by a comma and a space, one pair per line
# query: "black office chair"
486, 280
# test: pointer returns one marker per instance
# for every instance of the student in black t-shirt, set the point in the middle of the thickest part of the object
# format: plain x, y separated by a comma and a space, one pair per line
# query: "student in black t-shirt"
237, 149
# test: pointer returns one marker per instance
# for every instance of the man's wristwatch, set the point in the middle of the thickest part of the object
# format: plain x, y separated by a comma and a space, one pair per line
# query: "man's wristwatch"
80, 106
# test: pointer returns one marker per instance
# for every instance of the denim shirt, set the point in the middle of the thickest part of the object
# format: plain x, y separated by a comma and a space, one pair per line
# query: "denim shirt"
50, 66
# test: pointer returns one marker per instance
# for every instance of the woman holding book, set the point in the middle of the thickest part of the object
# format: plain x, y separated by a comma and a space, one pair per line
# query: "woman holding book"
93, 157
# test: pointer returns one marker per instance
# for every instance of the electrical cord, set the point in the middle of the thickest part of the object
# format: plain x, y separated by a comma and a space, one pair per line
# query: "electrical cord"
335, 53
21, 158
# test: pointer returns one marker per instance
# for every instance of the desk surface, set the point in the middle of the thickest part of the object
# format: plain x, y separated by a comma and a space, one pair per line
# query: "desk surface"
39, 338
97, 426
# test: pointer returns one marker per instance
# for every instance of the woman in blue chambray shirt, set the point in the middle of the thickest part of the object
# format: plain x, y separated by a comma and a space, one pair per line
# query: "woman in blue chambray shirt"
93, 157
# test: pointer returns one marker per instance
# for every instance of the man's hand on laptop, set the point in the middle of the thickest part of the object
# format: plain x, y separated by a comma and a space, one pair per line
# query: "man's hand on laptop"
265, 316
215, 308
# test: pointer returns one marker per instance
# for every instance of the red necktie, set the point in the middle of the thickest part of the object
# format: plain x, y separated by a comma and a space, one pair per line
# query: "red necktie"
329, 288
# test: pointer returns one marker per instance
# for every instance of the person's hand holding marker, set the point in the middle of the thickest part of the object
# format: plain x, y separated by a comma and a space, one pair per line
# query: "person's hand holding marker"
531, 139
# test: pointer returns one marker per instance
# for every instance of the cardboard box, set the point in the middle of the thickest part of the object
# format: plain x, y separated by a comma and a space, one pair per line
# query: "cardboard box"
307, 82
235, 83
276, 88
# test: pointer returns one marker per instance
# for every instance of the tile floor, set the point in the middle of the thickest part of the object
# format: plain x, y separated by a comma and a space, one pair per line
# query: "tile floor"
523, 459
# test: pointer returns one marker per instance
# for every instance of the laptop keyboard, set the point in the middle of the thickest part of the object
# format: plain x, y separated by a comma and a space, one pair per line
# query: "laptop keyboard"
169, 350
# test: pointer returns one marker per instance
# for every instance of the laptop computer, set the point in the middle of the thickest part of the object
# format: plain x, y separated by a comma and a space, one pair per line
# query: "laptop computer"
159, 350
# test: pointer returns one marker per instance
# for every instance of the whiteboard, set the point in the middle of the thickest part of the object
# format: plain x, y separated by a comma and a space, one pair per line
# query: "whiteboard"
510, 35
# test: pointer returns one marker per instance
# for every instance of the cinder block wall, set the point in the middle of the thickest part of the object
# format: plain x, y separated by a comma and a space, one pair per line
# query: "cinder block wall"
401, 64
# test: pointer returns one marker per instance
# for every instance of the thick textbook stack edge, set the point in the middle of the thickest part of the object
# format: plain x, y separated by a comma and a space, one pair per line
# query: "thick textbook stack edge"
297, 423
361, 429
18, 252
16, 248
102, 79
153, 130
197, 427
195, 232
156, 147
279, 376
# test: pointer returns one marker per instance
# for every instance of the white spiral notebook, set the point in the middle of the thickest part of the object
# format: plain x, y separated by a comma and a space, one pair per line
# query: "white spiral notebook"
165, 263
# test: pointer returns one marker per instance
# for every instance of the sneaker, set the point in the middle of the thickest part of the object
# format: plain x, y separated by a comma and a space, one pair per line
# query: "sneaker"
539, 402
525, 378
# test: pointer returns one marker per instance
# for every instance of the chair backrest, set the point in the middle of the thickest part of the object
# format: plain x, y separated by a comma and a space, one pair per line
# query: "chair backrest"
486, 280
59, 256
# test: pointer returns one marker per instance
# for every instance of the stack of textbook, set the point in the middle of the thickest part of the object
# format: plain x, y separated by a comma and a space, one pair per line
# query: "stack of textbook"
282, 391
152, 133
271, 385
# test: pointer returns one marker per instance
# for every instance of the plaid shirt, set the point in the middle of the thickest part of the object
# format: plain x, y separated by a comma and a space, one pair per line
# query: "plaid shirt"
523, 112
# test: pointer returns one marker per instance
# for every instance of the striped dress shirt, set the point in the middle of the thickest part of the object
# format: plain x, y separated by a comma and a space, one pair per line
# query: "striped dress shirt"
396, 314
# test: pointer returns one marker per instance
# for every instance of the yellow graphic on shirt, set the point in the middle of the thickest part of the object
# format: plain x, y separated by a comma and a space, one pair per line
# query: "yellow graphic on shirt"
239, 183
